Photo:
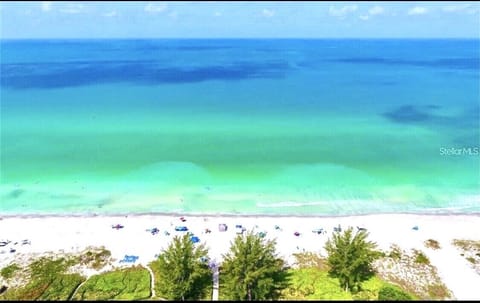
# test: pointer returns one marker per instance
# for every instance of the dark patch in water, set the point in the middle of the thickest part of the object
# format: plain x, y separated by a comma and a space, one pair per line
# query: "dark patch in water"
408, 114
468, 141
57, 75
14, 194
452, 63
102, 202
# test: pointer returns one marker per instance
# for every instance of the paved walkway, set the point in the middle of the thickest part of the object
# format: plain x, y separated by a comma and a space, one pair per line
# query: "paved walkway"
152, 281
215, 283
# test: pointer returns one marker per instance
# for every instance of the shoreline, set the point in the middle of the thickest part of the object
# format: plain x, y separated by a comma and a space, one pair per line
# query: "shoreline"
228, 215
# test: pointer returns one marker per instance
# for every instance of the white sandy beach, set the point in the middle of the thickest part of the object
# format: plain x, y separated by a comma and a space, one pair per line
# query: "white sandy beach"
72, 234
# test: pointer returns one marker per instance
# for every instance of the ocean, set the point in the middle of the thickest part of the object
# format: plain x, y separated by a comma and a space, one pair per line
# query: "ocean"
240, 126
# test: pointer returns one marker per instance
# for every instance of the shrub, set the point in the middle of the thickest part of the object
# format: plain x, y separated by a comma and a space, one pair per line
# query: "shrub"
390, 293
7, 272
395, 253
433, 244
420, 258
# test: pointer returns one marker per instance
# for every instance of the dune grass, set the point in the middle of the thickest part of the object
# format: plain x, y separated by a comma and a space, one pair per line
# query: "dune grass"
310, 280
9, 271
124, 284
48, 281
316, 284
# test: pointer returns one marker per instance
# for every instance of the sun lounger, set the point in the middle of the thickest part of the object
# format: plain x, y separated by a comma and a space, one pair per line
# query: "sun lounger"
153, 231
262, 234
129, 259
239, 229
181, 228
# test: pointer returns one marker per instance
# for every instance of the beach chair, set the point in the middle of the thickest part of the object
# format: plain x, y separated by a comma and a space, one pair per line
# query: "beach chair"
129, 259
262, 234
239, 229
181, 228
337, 229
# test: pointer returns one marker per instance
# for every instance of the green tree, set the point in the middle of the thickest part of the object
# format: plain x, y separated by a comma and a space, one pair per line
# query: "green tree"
252, 271
350, 258
181, 271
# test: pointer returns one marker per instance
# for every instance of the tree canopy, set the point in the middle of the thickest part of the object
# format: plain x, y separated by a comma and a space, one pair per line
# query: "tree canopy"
252, 271
350, 258
181, 271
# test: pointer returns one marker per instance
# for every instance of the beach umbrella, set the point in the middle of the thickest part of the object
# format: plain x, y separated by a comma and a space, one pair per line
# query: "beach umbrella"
222, 227
195, 239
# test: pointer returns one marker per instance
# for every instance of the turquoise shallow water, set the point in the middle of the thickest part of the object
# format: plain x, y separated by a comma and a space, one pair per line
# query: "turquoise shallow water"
304, 127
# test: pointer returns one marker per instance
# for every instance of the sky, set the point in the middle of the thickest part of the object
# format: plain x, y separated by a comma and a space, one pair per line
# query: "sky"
212, 19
